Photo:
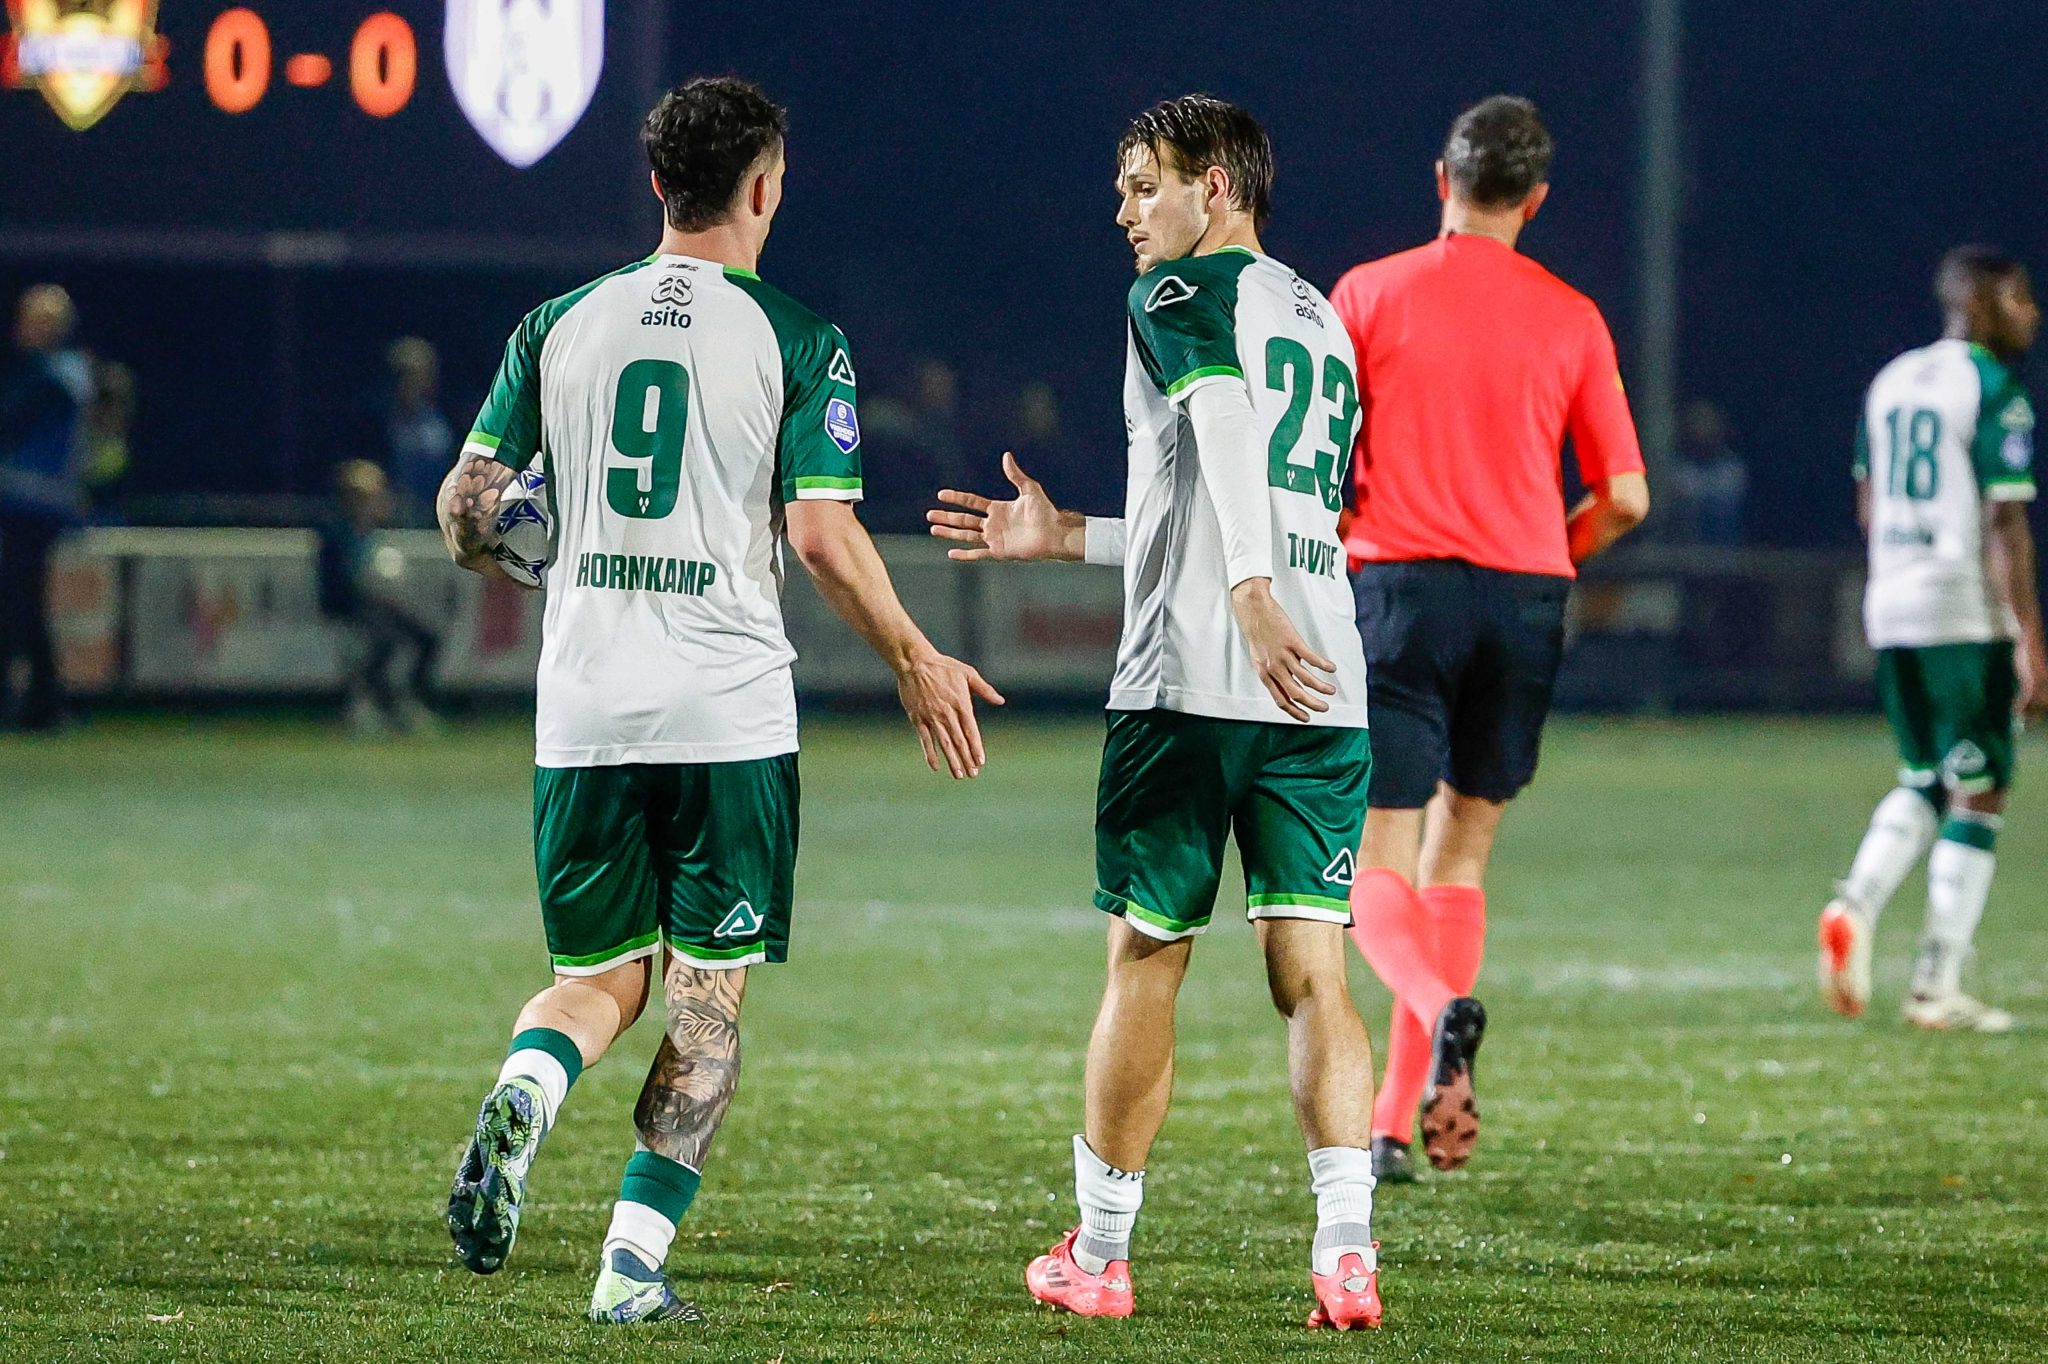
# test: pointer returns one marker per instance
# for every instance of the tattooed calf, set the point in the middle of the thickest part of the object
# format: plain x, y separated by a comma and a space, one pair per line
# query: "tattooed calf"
697, 1069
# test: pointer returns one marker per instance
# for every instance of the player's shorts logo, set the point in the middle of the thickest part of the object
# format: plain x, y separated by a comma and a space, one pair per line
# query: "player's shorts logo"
82, 54
523, 72
842, 425
1965, 761
739, 922
1173, 289
1341, 869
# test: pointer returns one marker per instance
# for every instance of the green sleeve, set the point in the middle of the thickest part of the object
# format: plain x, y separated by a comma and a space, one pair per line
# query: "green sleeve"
508, 427
1184, 319
819, 450
2002, 449
1861, 468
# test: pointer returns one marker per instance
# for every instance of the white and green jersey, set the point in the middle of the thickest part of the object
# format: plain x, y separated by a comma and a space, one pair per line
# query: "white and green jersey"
676, 405
1946, 429
1240, 317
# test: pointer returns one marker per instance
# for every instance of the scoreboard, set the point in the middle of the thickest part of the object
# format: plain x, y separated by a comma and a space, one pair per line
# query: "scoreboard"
503, 118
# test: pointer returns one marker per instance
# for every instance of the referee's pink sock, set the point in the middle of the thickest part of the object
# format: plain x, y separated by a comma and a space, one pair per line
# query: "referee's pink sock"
1458, 914
1456, 918
1393, 930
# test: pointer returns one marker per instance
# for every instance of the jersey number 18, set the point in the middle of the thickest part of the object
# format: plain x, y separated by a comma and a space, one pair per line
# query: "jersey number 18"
1911, 471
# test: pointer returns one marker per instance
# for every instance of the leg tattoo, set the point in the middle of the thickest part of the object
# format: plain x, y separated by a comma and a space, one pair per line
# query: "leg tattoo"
697, 1069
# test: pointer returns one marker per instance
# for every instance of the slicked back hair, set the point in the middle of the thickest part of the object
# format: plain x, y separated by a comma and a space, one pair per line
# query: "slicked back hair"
702, 139
1195, 132
1967, 269
1498, 152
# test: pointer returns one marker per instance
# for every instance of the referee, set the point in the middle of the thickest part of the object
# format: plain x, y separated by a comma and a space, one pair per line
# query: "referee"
1475, 362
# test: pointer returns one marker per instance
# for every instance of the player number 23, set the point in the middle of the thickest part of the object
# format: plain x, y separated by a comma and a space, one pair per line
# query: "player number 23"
1290, 369
649, 417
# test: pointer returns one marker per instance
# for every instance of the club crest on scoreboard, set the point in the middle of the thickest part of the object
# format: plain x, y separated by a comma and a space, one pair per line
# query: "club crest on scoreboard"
83, 55
524, 71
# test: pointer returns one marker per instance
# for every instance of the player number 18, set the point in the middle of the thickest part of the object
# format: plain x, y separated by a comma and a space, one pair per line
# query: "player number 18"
1912, 471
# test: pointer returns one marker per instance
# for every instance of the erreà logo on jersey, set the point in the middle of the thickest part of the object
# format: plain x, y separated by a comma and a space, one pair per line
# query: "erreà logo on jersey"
1173, 289
840, 371
524, 70
83, 55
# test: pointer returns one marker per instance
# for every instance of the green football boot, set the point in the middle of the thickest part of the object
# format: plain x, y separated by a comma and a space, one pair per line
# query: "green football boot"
483, 1207
628, 1291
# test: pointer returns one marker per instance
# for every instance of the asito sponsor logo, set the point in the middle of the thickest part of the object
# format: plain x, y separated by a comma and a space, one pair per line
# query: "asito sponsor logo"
672, 294
83, 55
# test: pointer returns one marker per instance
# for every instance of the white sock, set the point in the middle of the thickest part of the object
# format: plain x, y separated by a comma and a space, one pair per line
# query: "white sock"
1109, 1199
544, 1070
1902, 828
1958, 884
1341, 1179
641, 1230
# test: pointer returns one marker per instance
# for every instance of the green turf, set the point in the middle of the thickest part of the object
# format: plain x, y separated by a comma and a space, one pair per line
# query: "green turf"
257, 977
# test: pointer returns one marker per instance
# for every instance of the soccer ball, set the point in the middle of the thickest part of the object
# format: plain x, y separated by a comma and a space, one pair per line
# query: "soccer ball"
524, 534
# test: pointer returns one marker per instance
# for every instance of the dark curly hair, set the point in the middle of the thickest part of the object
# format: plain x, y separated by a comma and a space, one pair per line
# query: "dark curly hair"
702, 139
1498, 151
1196, 132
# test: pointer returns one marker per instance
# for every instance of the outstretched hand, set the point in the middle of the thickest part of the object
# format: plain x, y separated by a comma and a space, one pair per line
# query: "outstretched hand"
1028, 526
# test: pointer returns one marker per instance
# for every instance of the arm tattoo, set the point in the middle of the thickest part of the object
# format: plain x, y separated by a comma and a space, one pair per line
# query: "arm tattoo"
469, 506
698, 1067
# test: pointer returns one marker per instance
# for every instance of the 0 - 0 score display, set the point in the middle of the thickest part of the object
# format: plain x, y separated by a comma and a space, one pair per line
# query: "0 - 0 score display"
523, 74
239, 63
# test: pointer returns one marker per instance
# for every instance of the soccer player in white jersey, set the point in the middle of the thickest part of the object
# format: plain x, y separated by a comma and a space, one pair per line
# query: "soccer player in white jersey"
1239, 700
689, 417
1945, 469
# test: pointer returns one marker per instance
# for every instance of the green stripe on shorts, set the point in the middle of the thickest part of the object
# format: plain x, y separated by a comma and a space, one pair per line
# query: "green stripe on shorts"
1305, 901
718, 953
612, 954
1117, 904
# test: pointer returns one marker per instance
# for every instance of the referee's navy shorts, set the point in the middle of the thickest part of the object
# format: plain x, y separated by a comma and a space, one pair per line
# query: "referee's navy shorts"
1461, 662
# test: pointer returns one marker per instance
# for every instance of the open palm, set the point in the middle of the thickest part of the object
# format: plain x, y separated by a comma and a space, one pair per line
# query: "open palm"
1027, 526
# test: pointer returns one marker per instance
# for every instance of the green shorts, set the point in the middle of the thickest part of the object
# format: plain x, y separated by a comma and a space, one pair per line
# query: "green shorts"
702, 855
1950, 706
1175, 786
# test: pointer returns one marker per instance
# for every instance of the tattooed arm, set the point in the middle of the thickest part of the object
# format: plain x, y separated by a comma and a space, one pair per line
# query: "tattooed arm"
468, 508
698, 1066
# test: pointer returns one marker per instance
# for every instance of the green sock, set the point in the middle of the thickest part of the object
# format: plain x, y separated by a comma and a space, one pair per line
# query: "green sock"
653, 1197
550, 1060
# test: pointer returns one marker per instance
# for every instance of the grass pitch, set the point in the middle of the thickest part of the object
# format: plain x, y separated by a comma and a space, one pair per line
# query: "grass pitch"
256, 978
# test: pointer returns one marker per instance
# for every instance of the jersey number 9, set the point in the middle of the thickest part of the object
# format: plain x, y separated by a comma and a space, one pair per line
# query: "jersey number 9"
649, 417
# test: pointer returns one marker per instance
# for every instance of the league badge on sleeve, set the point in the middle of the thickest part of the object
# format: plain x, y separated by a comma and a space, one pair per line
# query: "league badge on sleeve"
2018, 447
842, 425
